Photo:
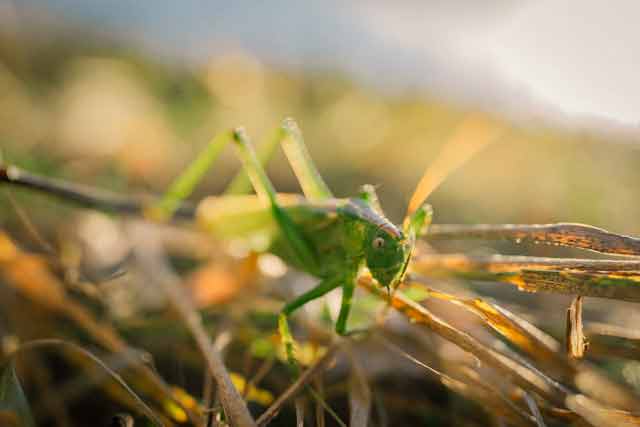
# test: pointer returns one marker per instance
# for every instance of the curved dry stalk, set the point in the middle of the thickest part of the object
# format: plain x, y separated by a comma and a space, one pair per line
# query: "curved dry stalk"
561, 234
474, 133
521, 375
537, 344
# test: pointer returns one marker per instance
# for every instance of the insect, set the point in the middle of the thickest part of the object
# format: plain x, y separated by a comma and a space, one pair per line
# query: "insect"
333, 239
330, 238
336, 239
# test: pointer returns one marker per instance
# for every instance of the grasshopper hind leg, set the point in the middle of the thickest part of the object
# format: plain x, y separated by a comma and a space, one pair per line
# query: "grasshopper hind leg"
313, 186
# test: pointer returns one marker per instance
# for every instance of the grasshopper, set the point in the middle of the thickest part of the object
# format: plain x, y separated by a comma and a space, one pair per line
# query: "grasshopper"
330, 238
338, 239
333, 239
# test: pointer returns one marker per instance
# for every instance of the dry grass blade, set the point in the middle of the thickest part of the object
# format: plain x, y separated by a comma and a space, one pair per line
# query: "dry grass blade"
599, 415
473, 134
599, 278
474, 384
297, 386
575, 339
30, 275
299, 404
460, 263
522, 375
491, 396
585, 284
446, 379
562, 234
607, 340
65, 345
359, 394
545, 350
533, 407
472, 387
151, 258
540, 346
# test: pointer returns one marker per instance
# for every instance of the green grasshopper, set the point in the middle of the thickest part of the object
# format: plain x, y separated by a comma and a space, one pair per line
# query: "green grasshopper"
337, 239
333, 239
330, 238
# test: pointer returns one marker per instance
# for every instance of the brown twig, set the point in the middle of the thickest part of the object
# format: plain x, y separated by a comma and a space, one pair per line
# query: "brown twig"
151, 258
84, 195
562, 234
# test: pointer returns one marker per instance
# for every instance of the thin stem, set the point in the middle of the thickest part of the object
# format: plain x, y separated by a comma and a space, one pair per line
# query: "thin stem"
297, 386
150, 256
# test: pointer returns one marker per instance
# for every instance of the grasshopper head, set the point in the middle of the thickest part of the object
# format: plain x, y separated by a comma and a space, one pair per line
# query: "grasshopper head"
387, 255
388, 250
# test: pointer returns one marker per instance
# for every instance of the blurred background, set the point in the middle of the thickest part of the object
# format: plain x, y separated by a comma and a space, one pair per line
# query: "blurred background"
125, 93
122, 94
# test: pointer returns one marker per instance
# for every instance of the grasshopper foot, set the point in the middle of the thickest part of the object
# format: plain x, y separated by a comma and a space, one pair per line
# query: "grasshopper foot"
289, 343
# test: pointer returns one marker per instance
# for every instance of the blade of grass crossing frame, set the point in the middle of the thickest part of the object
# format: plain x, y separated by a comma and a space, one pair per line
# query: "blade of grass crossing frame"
473, 134
185, 183
313, 186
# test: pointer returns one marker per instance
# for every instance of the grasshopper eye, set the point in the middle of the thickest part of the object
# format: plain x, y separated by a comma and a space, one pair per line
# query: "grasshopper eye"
377, 243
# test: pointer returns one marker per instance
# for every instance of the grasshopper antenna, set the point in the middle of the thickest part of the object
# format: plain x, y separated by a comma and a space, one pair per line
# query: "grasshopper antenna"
472, 135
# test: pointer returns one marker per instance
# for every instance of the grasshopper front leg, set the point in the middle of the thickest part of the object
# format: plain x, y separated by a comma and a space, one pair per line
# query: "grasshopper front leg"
345, 307
324, 287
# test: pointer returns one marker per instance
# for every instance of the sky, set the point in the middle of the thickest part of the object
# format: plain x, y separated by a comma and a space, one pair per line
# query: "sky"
576, 58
